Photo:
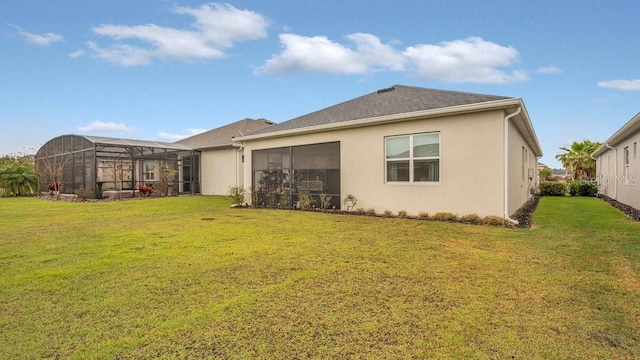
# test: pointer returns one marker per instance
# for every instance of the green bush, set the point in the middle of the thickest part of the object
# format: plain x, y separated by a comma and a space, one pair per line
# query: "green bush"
234, 192
493, 220
583, 188
350, 202
553, 188
422, 215
445, 216
471, 219
402, 214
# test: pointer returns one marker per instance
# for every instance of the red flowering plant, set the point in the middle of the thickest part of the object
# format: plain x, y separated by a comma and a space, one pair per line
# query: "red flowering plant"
54, 186
144, 190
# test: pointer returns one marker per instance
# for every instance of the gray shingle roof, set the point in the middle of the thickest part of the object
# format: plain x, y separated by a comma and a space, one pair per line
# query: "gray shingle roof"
397, 99
223, 136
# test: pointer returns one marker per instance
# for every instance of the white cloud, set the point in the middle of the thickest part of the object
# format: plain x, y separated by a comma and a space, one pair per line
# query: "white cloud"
99, 126
217, 27
626, 85
176, 137
76, 54
318, 53
41, 39
469, 60
551, 69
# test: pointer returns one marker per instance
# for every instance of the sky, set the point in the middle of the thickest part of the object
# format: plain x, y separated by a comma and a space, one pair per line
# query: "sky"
163, 70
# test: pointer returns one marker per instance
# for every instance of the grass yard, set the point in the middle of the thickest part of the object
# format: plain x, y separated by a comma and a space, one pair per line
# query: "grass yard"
190, 278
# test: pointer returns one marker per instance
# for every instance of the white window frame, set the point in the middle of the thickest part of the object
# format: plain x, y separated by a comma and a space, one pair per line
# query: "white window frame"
411, 159
625, 161
150, 170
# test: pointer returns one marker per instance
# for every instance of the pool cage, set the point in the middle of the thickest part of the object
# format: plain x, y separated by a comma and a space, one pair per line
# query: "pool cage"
100, 165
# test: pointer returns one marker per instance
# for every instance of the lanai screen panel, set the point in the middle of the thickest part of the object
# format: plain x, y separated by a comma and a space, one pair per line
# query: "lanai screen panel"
99, 164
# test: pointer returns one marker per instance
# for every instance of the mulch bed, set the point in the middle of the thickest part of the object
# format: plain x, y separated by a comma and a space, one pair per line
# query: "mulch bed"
629, 210
524, 214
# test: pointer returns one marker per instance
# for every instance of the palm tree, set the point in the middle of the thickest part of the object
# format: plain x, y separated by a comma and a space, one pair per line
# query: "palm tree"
578, 158
18, 179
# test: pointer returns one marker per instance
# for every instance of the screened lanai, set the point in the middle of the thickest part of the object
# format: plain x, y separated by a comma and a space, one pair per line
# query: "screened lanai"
102, 164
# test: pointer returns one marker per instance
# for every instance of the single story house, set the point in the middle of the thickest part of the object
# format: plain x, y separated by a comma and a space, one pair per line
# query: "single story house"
221, 159
618, 165
401, 148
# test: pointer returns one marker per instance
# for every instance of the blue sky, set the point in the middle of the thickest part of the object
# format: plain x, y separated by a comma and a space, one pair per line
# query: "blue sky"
161, 70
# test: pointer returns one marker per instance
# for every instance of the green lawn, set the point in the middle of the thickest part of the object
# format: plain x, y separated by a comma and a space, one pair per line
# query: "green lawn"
191, 278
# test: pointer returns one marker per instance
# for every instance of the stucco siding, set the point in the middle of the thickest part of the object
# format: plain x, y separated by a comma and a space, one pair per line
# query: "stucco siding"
220, 170
471, 164
522, 169
617, 179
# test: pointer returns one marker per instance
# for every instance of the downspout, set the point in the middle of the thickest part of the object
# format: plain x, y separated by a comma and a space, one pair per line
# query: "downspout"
506, 164
239, 164
615, 182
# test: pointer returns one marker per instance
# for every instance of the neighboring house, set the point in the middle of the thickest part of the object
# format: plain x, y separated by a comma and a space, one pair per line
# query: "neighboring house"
401, 148
221, 159
618, 165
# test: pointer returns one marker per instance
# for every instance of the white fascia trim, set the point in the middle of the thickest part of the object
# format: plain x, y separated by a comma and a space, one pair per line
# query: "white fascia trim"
489, 105
627, 129
532, 133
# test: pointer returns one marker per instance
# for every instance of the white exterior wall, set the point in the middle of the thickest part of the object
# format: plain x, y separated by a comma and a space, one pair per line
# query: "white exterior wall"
520, 182
220, 169
471, 164
615, 182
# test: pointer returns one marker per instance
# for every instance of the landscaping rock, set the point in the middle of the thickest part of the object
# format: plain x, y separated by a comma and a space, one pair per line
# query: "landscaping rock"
524, 214
628, 210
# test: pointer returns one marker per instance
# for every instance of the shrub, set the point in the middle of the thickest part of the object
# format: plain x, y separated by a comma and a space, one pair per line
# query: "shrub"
144, 190
471, 219
305, 201
350, 202
360, 211
583, 188
402, 214
236, 193
54, 186
445, 216
371, 211
422, 215
388, 213
553, 188
325, 201
494, 220
83, 193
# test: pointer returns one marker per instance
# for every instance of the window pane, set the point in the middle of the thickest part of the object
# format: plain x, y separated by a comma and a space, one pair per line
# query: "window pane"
398, 170
397, 147
426, 170
427, 145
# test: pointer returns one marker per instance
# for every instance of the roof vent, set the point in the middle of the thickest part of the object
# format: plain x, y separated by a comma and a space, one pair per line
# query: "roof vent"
386, 90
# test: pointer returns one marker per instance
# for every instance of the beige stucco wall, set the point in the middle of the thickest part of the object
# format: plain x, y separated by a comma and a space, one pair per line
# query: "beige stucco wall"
611, 172
520, 182
221, 168
471, 164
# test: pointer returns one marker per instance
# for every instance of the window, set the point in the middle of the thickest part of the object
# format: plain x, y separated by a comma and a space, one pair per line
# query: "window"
413, 158
626, 164
523, 162
149, 172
